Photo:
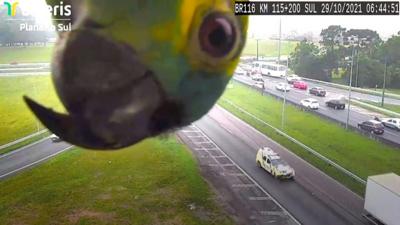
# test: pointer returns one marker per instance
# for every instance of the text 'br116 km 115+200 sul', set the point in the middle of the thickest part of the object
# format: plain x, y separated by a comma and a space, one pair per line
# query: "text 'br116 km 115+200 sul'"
316, 8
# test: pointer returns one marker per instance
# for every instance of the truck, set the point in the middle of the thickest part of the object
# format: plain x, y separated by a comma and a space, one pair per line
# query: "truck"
382, 199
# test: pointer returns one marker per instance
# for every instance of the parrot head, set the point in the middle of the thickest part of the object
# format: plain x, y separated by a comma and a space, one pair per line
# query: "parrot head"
132, 69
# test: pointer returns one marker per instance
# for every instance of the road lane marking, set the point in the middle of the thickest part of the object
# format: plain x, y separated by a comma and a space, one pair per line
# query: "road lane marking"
36, 162
259, 198
243, 185
285, 211
23, 147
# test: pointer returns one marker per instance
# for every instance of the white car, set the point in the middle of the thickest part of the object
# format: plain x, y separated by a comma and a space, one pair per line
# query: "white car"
271, 162
393, 123
310, 103
259, 84
55, 138
292, 78
239, 71
257, 77
282, 87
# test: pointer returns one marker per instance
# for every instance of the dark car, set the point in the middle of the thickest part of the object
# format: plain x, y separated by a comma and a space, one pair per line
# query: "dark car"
372, 126
336, 103
317, 91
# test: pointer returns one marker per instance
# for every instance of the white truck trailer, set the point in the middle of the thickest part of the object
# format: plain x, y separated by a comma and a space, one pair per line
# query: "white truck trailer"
382, 199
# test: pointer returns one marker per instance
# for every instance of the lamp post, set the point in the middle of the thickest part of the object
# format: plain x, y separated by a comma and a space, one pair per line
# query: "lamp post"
350, 82
384, 83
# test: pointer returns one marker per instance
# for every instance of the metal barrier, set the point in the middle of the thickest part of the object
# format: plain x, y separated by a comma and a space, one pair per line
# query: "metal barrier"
22, 139
376, 108
356, 89
312, 151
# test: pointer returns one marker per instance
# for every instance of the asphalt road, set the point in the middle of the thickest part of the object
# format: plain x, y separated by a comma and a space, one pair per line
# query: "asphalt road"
357, 114
7, 70
29, 156
312, 198
357, 95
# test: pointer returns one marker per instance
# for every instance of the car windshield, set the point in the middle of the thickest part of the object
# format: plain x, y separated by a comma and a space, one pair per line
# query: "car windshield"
279, 161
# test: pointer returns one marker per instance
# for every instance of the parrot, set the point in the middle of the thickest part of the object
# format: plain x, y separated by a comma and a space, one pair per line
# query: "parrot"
133, 69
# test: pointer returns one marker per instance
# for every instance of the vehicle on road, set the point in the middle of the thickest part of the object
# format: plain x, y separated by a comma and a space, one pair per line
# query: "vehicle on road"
240, 72
271, 162
372, 126
300, 85
257, 77
292, 78
393, 123
269, 69
310, 103
318, 91
55, 138
382, 199
336, 103
259, 84
282, 87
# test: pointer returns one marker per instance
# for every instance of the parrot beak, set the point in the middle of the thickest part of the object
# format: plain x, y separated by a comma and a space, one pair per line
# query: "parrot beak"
68, 128
113, 100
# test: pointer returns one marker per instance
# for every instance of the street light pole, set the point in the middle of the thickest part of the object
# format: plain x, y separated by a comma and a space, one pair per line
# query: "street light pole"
384, 83
357, 68
279, 42
351, 78
284, 100
257, 49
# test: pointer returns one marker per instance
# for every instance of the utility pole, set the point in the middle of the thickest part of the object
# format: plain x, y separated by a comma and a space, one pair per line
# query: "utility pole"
279, 42
357, 68
351, 78
284, 87
257, 48
384, 83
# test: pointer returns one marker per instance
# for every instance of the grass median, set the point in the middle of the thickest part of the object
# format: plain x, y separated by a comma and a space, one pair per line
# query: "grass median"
154, 182
17, 120
25, 54
268, 48
353, 151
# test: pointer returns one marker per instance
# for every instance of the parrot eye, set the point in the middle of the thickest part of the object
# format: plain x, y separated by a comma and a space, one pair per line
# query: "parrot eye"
217, 35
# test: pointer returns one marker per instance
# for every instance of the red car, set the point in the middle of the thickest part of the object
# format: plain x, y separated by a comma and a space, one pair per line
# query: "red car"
300, 85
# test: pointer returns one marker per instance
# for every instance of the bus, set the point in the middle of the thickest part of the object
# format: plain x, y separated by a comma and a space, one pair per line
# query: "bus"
269, 69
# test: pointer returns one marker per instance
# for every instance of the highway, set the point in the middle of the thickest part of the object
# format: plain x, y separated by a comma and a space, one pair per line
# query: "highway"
312, 198
357, 114
29, 156
356, 95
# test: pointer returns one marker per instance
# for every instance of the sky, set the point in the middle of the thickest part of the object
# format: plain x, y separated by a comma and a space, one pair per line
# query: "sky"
265, 26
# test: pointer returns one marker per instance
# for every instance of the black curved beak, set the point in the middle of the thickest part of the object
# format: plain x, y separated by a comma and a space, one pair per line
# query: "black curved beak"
69, 128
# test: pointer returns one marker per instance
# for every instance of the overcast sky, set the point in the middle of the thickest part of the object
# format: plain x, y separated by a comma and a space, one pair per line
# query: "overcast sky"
265, 26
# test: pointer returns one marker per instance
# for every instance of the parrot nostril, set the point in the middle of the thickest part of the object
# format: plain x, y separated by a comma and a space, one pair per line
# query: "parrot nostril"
217, 35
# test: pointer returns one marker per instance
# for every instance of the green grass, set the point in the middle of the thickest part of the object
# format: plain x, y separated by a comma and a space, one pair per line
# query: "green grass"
17, 120
268, 48
25, 54
394, 108
388, 90
24, 143
151, 183
351, 150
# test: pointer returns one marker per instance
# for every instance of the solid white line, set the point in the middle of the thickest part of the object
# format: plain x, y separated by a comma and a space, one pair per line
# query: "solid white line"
254, 181
288, 151
23, 147
36, 162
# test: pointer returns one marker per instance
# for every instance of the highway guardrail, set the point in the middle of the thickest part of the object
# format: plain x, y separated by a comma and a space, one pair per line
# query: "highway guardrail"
309, 149
376, 108
22, 139
345, 87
